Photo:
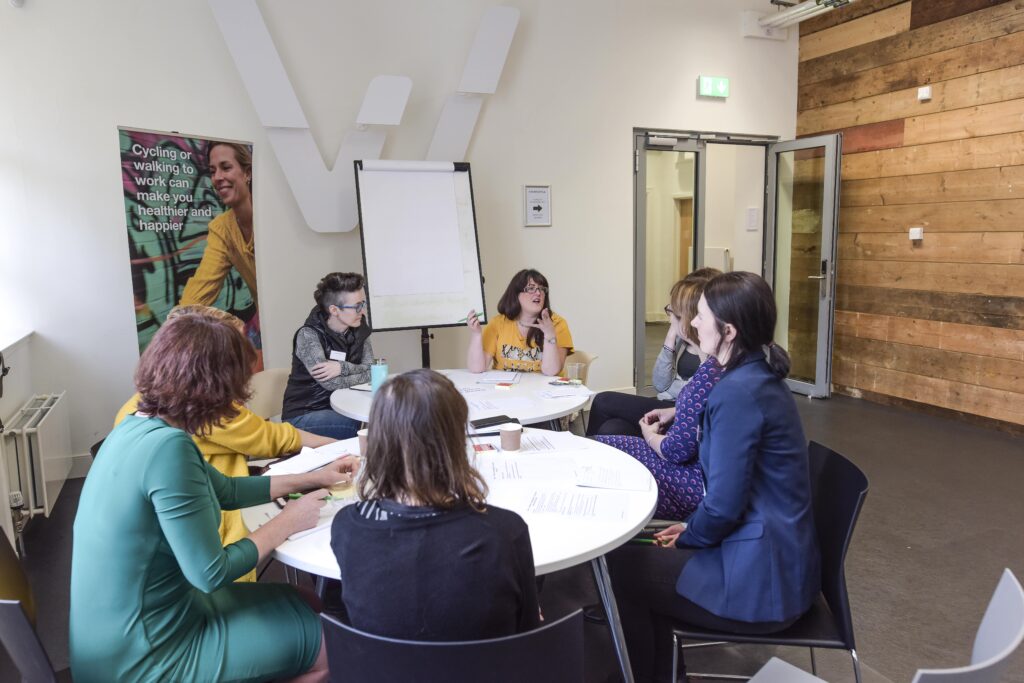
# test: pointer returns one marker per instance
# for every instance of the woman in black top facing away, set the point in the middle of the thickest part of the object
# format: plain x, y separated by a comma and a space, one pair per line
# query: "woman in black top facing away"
422, 557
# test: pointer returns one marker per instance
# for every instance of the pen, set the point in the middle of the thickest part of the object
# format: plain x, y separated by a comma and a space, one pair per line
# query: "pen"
296, 496
479, 316
648, 541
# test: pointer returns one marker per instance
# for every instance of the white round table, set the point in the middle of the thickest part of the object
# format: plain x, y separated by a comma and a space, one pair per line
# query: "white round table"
543, 474
523, 400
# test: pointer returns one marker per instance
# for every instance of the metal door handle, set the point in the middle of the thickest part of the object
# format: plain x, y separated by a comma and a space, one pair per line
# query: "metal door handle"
815, 277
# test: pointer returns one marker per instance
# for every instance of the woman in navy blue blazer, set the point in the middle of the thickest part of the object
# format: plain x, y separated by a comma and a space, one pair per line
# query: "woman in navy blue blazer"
747, 559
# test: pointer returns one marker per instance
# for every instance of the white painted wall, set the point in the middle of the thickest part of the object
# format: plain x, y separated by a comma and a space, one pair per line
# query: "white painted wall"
735, 183
581, 74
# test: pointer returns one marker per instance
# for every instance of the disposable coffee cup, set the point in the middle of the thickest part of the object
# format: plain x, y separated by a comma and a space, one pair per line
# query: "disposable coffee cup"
362, 434
511, 436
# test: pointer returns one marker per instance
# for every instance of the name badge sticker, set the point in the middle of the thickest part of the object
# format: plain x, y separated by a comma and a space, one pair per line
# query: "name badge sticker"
339, 355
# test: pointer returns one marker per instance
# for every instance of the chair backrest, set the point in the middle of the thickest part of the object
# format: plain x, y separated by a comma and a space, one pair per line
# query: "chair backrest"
16, 633
999, 635
268, 392
552, 653
580, 357
838, 490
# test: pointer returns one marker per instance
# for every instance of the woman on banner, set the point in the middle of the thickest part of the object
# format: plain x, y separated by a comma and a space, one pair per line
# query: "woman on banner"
330, 351
526, 336
229, 241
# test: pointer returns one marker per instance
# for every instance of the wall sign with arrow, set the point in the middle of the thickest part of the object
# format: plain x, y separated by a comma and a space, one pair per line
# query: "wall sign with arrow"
537, 206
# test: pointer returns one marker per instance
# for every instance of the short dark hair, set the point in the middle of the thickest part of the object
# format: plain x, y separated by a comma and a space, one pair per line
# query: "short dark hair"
195, 372
686, 293
508, 304
333, 285
745, 301
416, 447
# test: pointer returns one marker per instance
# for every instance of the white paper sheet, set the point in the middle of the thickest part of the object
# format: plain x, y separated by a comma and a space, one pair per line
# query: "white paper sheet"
309, 459
497, 406
598, 476
497, 376
577, 503
495, 466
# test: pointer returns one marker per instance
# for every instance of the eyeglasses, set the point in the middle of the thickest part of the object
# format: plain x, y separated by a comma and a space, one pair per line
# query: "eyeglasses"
358, 308
669, 312
533, 289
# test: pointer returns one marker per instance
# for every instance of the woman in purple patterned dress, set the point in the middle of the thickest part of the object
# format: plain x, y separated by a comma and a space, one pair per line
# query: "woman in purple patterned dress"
668, 447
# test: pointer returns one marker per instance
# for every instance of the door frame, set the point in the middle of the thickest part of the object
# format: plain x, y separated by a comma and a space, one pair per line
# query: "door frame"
645, 139
833, 144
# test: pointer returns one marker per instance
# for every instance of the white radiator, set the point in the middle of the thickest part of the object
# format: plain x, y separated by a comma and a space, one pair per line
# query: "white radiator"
37, 450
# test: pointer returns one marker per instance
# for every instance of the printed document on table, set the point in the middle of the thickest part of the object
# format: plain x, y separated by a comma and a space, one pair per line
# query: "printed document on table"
483, 406
495, 467
497, 377
577, 503
590, 475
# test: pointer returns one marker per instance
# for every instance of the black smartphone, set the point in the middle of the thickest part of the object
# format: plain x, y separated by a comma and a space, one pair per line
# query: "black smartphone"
485, 422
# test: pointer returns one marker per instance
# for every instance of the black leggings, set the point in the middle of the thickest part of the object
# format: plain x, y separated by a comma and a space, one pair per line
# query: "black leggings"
613, 413
644, 580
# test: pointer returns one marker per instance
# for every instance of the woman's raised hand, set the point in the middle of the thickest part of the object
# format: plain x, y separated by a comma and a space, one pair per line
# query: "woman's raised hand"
545, 324
341, 471
473, 322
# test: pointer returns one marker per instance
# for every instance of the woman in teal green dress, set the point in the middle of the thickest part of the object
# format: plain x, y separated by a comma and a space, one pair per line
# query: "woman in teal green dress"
153, 596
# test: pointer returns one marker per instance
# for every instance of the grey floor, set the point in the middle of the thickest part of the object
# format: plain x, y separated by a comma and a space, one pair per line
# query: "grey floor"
942, 519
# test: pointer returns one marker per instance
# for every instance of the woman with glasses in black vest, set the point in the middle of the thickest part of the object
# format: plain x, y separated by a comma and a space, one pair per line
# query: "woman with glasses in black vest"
330, 351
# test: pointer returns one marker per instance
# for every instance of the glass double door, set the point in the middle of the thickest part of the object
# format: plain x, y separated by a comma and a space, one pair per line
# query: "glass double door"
739, 203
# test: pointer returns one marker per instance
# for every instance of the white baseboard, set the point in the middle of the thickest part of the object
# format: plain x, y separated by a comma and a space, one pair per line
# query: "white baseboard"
80, 465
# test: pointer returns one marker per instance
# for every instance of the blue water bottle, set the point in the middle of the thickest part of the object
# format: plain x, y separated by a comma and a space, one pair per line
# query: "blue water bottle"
378, 373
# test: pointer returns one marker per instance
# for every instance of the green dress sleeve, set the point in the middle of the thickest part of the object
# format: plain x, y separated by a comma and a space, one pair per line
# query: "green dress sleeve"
234, 493
184, 493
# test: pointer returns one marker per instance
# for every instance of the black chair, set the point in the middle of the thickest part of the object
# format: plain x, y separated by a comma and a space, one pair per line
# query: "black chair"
552, 653
838, 489
17, 612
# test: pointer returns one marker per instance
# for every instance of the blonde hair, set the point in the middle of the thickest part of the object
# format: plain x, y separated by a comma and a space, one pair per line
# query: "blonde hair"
207, 312
686, 293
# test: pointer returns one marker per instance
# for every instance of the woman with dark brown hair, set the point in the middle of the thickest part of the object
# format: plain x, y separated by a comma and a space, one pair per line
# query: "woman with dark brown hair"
526, 335
422, 557
152, 592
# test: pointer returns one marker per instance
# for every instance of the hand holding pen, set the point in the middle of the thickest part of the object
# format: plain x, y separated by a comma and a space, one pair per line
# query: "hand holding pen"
472, 321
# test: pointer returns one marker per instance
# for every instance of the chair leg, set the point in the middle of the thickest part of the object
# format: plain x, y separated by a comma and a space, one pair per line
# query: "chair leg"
675, 658
856, 666
814, 664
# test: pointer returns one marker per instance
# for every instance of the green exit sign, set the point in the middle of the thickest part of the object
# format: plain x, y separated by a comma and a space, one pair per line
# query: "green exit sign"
713, 86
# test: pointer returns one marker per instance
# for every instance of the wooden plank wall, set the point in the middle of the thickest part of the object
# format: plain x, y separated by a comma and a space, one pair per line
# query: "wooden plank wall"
940, 323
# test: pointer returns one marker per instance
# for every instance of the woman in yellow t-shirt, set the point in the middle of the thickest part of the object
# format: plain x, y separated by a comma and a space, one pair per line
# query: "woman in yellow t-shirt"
526, 335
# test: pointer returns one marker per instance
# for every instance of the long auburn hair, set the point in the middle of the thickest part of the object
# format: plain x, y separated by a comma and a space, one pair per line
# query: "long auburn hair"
508, 304
196, 371
416, 446
745, 301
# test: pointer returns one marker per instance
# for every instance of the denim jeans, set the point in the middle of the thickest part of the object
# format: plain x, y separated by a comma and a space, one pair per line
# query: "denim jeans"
326, 423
